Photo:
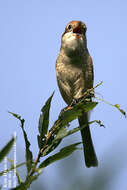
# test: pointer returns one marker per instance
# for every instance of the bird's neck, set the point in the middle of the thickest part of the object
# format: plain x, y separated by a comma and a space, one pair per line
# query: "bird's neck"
72, 47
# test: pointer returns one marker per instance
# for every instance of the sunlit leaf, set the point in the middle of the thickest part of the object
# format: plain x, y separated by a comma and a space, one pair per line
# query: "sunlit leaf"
121, 110
89, 106
116, 105
86, 106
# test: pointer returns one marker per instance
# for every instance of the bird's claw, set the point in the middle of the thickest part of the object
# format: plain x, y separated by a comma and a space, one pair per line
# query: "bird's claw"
75, 101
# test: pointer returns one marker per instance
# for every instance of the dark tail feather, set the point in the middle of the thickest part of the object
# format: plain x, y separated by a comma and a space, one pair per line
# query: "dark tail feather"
89, 153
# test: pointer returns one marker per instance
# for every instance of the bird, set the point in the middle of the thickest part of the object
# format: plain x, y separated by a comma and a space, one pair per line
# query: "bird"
75, 75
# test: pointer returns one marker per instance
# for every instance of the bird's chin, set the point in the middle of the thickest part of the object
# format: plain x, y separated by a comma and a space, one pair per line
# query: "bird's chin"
72, 42
70, 37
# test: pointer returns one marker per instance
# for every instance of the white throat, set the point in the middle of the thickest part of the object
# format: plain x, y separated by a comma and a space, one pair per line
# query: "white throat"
72, 42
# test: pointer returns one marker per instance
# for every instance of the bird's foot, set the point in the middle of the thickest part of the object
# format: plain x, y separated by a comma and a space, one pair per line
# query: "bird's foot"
74, 101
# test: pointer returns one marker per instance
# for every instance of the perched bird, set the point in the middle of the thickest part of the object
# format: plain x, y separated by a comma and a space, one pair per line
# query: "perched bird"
74, 70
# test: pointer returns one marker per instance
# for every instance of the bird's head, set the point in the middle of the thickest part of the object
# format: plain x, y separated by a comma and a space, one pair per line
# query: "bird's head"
74, 38
76, 28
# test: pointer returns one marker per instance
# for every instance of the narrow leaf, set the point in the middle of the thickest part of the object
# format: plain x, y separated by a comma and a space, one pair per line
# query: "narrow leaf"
66, 133
6, 149
29, 156
64, 152
86, 106
17, 173
75, 111
89, 106
56, 141
44, 118
116, 105
51, 147
39, 141
62, 132
15, 115
18, 177
121, 110
19, 165
69, 115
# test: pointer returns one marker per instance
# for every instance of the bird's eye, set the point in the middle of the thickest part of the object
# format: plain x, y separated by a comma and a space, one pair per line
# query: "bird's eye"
69, 27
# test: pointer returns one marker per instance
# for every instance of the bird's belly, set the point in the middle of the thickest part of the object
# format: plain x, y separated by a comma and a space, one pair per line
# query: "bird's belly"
71, 84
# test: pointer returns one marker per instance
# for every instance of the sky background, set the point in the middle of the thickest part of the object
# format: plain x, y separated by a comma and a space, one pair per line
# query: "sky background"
30, 37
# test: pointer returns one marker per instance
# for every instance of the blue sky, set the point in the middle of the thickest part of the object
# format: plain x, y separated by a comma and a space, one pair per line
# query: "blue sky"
30, 37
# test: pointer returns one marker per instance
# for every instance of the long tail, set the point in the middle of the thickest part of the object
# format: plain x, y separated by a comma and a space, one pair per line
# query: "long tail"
89, 153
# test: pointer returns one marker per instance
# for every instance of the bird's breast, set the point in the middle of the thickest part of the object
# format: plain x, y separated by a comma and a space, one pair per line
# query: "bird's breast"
73, 43
70, 81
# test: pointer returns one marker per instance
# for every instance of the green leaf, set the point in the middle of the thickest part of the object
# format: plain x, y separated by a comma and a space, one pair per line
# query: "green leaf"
6, 149
89, 106
12, 168
29, 156
64, 133
51, 147
116, 105
22, 186
56, 141
65, 117
61, 133
121, 110
18, 177
44, 117
17, 173
67, 133
44, 120
64, 152
39, 141
69, 115
15, 115
75, 111
86, 106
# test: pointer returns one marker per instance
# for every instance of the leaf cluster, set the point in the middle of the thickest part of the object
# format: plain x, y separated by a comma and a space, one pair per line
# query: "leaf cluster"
50, 137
